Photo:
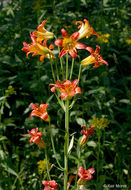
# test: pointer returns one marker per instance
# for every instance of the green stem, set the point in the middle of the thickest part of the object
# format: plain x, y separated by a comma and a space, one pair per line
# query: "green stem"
2, 107
98, 154
52, 141
79, 75
72, 66
60, 102
67, 66
46, 158
66, 145
57, 70
62, 70
52, 70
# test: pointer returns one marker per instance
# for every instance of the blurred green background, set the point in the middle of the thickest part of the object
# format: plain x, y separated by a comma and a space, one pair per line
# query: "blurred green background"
105, 91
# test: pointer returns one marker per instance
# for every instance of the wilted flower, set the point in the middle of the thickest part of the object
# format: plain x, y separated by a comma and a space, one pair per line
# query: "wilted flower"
85, 175
38, 48
100, 123
42, 33
95, 58
42, 166
36, 137
67, 88
50, 185
103, 38
86, 134
40, 111
85, 30
69, 44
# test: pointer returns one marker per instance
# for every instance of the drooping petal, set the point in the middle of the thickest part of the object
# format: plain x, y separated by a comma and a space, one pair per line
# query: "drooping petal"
91, 170
63, 52
73, 54
59, 42
52, 89
78, 90
89, 49
81, 46
103, 61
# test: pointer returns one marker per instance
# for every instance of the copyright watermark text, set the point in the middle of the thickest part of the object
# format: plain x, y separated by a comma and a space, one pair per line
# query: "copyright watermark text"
115, 186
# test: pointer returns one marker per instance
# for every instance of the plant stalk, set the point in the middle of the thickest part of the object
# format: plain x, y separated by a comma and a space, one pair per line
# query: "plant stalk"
66, 145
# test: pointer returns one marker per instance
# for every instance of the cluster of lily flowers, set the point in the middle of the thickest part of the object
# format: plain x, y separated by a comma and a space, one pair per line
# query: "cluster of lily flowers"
66, 88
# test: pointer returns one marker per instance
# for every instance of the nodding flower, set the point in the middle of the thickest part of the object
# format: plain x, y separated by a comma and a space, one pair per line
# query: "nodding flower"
86, 134
41, 33
36, 138
85, 175
40, 111
38, 48
85, 30
95, 58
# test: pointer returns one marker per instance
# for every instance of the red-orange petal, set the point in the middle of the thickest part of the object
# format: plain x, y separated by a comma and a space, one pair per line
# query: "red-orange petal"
44, 106
81, 46
63, 52
75, 35
97, 49
41, 25
64, 33
73, 54
64, 95
33, 106
103, 61
52, 89
44, 116
78, 90
75, 82
89, 49
59, 42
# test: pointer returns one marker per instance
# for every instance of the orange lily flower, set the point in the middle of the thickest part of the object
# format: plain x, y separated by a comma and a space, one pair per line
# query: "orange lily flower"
95, 57
50, 185
85, 175
85, 30
42, 33
86, 134
40, 111
67, 88
36, 138
69, 44
38, 49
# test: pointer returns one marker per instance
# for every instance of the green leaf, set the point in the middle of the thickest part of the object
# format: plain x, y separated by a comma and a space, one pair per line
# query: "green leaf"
9, 170
91, 143
3, 138
80, 121
125, 101
71, 145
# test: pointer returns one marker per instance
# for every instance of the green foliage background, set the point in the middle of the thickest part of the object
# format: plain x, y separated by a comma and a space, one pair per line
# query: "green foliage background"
105, 91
